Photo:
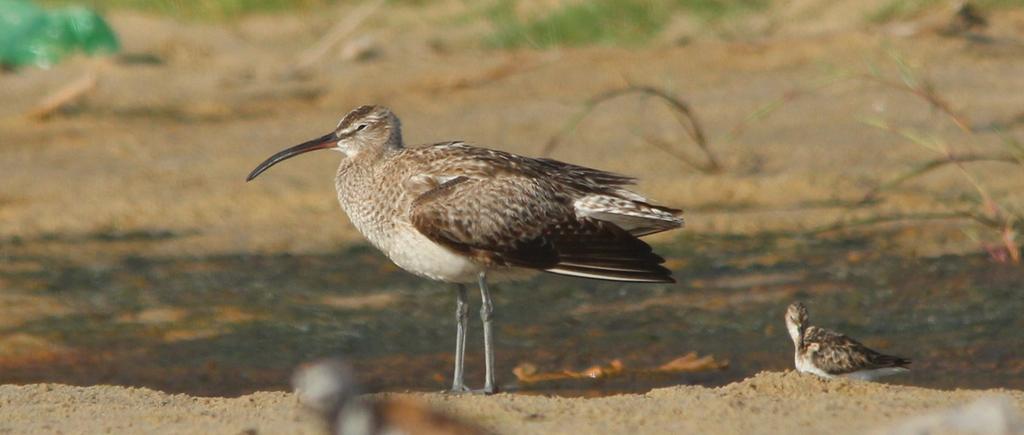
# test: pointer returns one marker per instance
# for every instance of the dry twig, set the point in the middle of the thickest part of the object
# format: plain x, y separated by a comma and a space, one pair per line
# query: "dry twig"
512, 66
930, 166
338, 33
926, 91
988, 214
64, 97
684, 114
528, 373
875, 220
787, 97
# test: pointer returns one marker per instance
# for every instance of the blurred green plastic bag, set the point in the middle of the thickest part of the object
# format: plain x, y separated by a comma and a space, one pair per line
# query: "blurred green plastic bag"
30, 35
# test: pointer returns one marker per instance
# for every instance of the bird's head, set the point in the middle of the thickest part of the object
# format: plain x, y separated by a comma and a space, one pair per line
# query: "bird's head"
367, 130
796, 320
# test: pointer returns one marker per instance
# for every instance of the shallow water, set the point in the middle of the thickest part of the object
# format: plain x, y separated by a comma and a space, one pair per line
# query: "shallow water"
228, 325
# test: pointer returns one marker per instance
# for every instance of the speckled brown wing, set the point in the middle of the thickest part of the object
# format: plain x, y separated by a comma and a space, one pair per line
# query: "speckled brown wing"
838, 354
479, 162
529, 222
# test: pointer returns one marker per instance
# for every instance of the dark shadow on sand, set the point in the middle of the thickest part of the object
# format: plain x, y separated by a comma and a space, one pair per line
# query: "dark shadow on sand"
240, 323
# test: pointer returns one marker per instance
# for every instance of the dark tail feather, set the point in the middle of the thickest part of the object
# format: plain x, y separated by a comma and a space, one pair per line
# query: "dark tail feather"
883, 360
591, 248
609, 253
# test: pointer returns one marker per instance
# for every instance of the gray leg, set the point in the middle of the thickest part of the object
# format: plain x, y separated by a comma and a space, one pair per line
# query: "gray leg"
486, 314
461, 319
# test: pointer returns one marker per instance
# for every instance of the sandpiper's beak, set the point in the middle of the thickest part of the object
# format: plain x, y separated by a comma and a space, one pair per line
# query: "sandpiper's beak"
326, 141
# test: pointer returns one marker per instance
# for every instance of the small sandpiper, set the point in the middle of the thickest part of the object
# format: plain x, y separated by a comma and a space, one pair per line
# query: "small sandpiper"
328, 388
829, 354
461, 214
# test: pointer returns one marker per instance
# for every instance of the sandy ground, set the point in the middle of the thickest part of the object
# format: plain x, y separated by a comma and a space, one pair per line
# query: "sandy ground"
164, 148
770, 402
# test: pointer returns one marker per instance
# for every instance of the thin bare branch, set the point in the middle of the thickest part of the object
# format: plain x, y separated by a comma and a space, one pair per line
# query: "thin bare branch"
516, 64
930, 166
875, 220
669, 149
684, 115
340, 30
64, 96
926, 92
772, 106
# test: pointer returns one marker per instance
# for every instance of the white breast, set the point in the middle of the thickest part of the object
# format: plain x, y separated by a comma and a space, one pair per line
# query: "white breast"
380, 215
804, 365
414, 252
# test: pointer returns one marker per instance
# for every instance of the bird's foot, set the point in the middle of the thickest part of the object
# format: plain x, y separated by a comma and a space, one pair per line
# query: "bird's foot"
487, 391
459, 389
466, 390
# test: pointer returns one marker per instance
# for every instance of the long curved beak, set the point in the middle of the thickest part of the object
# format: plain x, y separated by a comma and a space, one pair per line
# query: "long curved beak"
326, 141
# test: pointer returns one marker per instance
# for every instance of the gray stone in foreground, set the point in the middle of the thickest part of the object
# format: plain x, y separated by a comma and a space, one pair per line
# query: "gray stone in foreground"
989, 415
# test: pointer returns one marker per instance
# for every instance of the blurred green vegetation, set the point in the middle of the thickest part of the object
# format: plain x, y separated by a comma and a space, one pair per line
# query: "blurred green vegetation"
603, 21
568, 23
206, 10
30, 35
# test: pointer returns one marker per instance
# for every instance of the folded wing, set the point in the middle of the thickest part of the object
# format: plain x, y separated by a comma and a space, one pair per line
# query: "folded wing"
840, 354
522, 220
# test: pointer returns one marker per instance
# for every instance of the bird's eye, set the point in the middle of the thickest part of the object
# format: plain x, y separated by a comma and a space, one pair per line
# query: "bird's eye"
361, 127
